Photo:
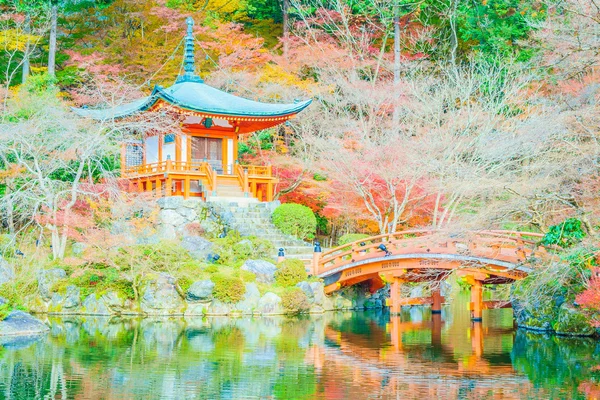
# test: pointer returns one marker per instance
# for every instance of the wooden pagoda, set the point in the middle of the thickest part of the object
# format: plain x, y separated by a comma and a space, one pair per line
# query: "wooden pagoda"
201, 159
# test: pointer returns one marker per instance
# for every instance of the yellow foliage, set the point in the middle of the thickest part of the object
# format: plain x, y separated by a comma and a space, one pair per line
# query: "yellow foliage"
14, 39
273, 73
225, 6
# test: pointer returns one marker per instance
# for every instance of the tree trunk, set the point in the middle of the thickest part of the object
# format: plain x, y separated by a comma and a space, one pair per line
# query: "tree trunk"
396, 116
286, 26
52, 47
27, 30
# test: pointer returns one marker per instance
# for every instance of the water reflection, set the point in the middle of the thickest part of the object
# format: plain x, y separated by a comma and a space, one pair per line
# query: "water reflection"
334, 356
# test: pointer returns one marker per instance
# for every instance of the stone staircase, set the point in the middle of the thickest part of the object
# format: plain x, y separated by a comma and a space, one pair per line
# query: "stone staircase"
254, 219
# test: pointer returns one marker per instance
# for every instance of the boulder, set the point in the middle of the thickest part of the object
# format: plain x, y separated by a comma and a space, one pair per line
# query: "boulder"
6, 272
264, 270
536, 316
94, 306
200, 291
250, 301
188, 213
307, 289
47, 278
270, 303
171, 217
571, 321
21, 323
197, 246
165, 232
191, 203
217, 307
159, 296
318, 290
72, 298
170, 203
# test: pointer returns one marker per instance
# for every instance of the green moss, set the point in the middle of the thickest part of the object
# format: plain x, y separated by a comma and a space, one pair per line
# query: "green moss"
97, 281
571, 321
184, 283
5, 310
228, 289
248, 276
290, 272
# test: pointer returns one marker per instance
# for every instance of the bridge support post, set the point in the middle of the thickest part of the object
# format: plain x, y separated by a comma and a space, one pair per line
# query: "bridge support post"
436, 301
476, 300
395, 295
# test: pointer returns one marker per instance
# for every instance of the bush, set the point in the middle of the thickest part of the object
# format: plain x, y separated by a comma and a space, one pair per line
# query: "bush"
295, 301
96, 281
233, 249
290, 272
567, 234
296, 220
351, 237
228, 289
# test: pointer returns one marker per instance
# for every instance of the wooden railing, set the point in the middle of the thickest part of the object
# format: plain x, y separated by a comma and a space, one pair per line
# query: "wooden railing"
201, 168
259, 170
242, 176
509, 245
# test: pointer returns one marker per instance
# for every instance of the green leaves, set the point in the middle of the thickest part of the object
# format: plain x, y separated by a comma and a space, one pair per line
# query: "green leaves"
567, 234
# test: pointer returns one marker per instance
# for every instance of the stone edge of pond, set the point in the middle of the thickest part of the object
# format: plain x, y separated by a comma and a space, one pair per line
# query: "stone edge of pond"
22, 324
542, 331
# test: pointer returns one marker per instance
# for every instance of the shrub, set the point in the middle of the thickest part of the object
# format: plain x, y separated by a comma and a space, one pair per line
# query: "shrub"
295, 301
96, 281
184, 283
567, 234
233, 249
296, 220
351, 237
290, 272
228, 289
5, 309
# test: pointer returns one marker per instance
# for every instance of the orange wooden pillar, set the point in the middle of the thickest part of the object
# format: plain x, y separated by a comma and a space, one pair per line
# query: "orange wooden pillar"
186, 188
269, 191
476, 300
436, 301
158, 187
395, 295
168, 186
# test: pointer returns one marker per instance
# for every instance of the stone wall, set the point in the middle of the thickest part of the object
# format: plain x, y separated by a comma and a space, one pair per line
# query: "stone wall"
160, 295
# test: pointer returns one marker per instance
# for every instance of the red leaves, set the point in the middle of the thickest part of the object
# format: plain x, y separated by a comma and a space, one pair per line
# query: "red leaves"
589, 299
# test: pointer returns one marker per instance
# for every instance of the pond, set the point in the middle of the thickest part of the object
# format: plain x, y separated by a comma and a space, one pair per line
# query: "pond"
345, 355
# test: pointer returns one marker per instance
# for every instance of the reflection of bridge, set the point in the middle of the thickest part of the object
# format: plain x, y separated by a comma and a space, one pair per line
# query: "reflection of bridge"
412, 359
485, 257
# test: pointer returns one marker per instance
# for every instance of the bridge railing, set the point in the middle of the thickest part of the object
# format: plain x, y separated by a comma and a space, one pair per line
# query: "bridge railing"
492, 243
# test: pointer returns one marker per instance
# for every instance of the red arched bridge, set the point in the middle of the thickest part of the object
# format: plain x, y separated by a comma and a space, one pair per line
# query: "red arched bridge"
480, 257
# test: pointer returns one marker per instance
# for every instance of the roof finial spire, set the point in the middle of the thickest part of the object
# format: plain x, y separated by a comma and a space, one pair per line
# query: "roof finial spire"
189, 65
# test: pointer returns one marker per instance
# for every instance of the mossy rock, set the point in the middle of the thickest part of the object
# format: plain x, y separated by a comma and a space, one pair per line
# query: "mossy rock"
570, 321
538, 316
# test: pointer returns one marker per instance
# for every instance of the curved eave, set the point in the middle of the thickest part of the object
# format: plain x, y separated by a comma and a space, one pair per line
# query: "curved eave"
293, 109
159, 94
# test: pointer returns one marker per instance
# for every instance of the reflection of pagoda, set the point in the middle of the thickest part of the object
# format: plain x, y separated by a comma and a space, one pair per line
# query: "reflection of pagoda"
202, 159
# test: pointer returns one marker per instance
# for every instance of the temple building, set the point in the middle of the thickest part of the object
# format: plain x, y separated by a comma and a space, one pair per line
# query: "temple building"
201, 159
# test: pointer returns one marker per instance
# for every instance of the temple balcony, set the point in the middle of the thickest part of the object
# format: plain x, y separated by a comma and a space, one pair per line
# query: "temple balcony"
201, 179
